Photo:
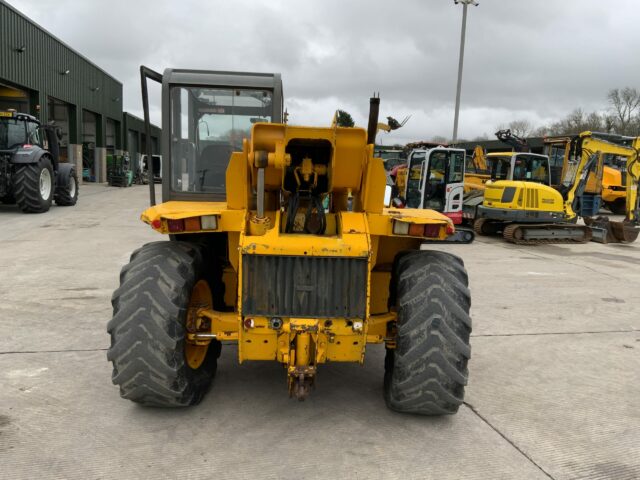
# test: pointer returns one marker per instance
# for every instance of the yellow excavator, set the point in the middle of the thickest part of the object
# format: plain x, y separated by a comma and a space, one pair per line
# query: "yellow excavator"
617, 149
626, 231
519, 164
483, 166
534, 213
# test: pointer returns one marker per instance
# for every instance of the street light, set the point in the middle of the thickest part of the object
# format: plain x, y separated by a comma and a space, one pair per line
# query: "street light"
465, 4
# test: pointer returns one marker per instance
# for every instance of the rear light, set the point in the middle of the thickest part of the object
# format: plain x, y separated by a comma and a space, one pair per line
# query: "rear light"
175, 226
400, 228
450, 230
192, 224
156, 224
431, 230
209, 222
416, 229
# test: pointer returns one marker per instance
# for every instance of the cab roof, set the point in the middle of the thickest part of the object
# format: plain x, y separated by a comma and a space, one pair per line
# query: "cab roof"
18, 116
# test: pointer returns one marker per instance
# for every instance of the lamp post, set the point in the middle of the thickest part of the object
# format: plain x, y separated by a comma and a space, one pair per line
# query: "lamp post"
465, 4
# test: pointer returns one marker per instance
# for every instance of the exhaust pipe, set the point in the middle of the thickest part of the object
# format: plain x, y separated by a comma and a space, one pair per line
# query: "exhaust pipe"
374, 111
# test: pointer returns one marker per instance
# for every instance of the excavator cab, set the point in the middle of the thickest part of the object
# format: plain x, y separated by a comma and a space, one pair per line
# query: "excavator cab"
528, 167
436, 181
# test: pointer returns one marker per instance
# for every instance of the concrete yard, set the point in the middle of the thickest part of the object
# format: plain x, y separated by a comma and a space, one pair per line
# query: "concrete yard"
554, 376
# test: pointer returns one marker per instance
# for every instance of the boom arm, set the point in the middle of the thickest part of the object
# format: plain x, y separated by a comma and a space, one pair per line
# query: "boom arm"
479, 160
632, 185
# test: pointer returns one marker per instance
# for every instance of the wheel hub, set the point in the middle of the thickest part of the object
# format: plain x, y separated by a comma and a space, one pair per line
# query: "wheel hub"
72, 186
45, 183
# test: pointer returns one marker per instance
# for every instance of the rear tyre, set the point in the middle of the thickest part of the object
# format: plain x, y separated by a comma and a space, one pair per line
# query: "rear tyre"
8, 199
152, 362
33, 186
66, 186
427, 371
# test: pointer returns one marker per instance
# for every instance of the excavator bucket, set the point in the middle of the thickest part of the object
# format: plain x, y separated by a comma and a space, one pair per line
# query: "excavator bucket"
606, 231
625, 232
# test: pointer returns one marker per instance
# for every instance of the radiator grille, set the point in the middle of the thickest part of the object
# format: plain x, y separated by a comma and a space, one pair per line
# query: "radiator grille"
294, 286
532, 198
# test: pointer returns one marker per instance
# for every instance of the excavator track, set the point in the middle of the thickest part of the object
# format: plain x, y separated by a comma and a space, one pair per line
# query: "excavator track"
485, 226
546, 233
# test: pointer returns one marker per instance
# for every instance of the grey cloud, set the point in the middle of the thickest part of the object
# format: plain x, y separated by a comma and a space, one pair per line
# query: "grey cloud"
538, 58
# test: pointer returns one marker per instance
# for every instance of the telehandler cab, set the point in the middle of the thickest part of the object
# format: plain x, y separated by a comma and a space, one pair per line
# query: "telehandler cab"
279, 243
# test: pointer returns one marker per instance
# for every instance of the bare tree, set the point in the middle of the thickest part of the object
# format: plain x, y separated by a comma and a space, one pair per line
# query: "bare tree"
521, 128
542, 131
625, 104
577, 121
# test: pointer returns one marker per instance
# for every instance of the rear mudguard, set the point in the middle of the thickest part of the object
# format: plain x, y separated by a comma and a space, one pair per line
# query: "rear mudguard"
24, 156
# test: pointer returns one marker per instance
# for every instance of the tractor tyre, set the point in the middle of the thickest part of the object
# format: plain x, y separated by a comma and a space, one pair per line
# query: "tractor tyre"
618, 207
66, 185
153, 363
8, 199
427, 371
33, 186
452, 263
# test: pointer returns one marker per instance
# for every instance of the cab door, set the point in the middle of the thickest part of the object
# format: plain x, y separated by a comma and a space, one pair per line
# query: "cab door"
415, 184
455, 184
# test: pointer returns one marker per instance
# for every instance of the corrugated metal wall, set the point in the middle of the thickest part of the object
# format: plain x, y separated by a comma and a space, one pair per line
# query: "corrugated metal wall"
40, 66
133, 134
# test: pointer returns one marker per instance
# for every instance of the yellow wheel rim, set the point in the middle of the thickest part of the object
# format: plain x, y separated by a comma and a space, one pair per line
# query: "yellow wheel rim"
200, 298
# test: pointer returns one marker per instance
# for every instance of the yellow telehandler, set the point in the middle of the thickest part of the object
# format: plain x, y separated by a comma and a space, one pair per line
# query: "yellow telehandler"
280, 244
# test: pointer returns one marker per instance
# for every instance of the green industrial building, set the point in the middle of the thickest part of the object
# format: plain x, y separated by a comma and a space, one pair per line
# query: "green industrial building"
41, 75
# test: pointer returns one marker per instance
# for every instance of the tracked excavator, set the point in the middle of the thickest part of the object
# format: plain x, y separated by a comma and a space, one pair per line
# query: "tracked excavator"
518, 165
531, 213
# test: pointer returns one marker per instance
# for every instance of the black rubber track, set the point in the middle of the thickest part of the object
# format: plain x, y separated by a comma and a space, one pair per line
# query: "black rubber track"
26, 187
63, 195
427, 371
147, 329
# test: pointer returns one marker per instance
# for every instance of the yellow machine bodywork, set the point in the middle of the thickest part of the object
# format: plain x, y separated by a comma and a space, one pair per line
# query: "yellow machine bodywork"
358, 226
525, 196
607, 181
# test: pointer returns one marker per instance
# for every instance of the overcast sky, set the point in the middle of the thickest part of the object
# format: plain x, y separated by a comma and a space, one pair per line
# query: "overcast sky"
535, 59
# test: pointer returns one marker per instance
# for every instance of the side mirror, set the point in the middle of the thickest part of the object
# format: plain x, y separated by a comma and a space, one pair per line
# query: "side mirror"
388, 189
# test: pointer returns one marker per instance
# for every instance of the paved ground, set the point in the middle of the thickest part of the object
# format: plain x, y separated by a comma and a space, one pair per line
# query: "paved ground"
554, 389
